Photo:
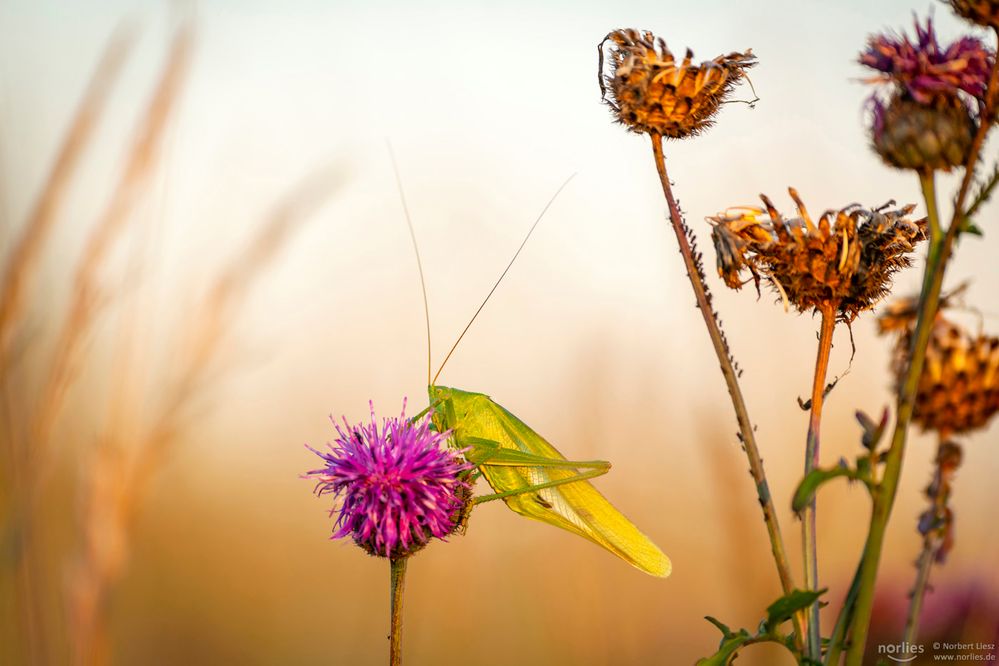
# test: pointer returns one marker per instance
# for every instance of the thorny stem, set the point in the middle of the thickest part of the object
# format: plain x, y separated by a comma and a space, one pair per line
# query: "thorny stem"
731, 380
983, 194
987, 118
923, 566
397, 568
933, 538
936, 263
808, 525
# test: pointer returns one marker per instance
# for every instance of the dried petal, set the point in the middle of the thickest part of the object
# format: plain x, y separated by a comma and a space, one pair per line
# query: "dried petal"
847, 263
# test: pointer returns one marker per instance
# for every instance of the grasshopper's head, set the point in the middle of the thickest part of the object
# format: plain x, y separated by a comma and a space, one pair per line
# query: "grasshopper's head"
445, 400
448, 406
441, 407
438, 394
444, 393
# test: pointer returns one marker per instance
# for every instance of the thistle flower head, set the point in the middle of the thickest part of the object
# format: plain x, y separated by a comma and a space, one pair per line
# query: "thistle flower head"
926, 118
958, 389
982, 12
925, 69
910, 135
651, 92
845, 261
399, 482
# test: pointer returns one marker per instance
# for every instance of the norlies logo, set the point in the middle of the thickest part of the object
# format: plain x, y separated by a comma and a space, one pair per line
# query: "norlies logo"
901, 652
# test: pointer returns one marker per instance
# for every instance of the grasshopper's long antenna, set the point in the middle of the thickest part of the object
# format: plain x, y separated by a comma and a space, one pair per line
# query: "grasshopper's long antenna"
502, 275
416, 250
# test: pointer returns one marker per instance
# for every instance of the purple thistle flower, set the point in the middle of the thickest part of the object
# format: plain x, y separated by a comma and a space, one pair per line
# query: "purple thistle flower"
924, 69
878, 112
400, 484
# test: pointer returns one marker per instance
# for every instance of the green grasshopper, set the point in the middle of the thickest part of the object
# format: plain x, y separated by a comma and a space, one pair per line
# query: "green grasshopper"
530, 475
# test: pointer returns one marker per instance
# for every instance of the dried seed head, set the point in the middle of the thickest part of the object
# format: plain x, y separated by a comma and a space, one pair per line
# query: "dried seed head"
910, 135
899, 316
651, 92
845, 260
958, 390
982, 12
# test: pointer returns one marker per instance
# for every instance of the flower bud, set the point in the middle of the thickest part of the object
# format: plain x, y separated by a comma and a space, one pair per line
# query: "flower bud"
910, 135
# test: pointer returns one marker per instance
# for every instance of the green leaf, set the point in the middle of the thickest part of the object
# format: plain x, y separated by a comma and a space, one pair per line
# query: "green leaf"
810, 484
792, 602
864, 466
724, 628
726, 651
968, 226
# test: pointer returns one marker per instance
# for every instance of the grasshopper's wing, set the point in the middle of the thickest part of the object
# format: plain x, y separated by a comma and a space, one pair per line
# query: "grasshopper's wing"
575, 506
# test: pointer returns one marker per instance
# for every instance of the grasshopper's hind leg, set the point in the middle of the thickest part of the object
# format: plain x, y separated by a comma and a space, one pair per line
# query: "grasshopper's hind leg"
582, 476
485, 452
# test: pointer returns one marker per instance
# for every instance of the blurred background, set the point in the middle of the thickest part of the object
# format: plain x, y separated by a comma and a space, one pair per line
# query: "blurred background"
221, 261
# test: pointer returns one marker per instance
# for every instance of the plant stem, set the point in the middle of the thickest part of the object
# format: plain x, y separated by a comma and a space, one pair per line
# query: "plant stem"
925, 563
809, 536
748, 437
936, 264
838, 637
397, 570
935, 525
884, 494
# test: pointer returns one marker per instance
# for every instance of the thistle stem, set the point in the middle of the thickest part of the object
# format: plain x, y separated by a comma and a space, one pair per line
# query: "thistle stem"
748, 437
397, 568
923, 566
809, 536
936, 263
838, 637
933, 538
884, 493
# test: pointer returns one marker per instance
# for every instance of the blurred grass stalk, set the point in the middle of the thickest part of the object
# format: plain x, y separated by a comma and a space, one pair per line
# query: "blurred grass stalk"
22, 458
122, 462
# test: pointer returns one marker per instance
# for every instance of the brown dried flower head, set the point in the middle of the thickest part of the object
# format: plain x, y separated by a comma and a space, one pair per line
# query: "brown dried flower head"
982, 12
845, 261
899, 316
958, 390
651, 93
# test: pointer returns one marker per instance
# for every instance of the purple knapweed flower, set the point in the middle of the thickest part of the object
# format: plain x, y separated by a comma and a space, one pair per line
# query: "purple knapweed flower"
400, 484
925, 69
